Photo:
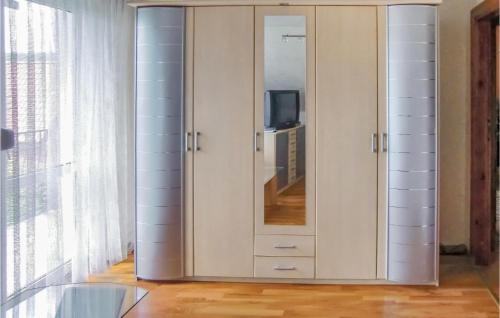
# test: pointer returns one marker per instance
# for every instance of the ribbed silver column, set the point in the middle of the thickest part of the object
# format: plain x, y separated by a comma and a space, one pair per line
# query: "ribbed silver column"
159, 169
412, 182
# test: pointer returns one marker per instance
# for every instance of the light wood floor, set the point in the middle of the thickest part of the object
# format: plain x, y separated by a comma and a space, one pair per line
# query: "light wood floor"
290, 208
461, 295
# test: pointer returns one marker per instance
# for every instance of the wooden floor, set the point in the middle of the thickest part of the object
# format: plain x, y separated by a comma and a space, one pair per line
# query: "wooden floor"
290, 208
462, 294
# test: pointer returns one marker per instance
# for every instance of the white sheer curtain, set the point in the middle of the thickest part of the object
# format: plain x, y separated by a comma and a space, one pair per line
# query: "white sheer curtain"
103, 145
37, 184
68, 184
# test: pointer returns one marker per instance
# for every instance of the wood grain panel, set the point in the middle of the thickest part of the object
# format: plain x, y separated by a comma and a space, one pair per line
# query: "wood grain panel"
347, 118
223, 167
382, 129
188, 158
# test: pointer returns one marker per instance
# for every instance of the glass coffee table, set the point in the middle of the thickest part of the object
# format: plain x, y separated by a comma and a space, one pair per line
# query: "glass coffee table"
97, 300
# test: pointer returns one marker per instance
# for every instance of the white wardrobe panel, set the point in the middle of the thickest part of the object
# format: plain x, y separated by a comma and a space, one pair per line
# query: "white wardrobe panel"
412, 32
412, 161
158, 125
159, 90
413, 106
158, 196
159, 179
413, 234
160, 215
157, 161
411, 217
412, 15
412, 182
154, 143
412, 124
419, 70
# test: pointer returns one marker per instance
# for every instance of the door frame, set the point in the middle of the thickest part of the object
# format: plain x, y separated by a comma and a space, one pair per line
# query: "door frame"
484, 18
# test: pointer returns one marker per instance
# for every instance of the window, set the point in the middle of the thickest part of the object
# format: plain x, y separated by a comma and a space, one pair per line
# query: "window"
36, 177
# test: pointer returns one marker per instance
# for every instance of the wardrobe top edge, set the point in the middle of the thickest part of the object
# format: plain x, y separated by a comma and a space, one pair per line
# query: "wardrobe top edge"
197, 3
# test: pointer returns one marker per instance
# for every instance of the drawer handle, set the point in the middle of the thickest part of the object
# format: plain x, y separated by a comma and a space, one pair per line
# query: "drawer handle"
284, 268
284, 246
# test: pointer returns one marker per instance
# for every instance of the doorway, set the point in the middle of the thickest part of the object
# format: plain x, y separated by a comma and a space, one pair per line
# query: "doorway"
484, 140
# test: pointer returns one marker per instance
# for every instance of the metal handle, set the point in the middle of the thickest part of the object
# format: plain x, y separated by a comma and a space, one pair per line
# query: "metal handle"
187, 137
284, 268
196, 146
256, 141
284, 246
8, 139
383, 141
374, 143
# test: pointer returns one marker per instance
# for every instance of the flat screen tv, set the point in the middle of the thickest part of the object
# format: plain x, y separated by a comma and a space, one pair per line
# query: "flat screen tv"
281, 109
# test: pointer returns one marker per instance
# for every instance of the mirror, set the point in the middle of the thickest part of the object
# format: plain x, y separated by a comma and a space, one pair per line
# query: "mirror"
284, 120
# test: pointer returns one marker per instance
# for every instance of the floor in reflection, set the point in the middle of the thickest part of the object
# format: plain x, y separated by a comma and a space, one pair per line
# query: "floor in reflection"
290, 207
490, 276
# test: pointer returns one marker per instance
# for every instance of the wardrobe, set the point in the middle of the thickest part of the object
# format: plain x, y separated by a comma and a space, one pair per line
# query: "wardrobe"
343, 189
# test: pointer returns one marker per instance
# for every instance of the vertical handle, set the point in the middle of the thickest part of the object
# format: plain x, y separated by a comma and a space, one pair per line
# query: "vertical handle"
383, 142
256, 141
187, 138
196, 145
374, 143
8, 139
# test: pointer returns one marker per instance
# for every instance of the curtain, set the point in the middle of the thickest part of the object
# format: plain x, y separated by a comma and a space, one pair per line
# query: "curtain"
68, 190
36, 173
103, 142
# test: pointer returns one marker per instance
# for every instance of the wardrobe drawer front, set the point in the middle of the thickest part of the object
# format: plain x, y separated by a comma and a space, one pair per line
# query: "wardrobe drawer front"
284, 245
284, 267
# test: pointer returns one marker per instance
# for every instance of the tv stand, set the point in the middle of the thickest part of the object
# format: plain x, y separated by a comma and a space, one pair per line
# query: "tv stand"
284, 152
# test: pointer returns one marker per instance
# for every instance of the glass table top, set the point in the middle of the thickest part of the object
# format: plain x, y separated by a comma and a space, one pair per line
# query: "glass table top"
97, 300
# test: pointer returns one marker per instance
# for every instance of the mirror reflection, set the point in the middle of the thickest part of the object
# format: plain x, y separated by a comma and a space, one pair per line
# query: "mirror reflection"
284, 120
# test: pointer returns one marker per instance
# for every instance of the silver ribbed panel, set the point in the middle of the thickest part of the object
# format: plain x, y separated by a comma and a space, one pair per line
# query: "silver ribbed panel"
159, 94
412, 143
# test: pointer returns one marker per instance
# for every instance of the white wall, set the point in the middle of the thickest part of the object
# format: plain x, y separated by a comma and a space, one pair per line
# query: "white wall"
285, 62
455, 119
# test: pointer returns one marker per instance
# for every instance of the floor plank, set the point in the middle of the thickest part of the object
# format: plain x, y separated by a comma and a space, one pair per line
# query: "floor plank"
462, 294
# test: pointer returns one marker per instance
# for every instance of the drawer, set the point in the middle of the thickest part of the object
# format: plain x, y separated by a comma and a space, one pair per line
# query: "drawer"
284, 245
284, 267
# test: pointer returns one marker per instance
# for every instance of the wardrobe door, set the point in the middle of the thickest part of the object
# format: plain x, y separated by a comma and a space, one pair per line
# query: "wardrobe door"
223, 124
159, 169
413, 145
346, 142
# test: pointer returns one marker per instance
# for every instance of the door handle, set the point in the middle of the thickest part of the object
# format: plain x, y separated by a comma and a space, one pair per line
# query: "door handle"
374, 143
187, 138
8, 139
256, 141
284, 268
284, 246
196, 145
383, 142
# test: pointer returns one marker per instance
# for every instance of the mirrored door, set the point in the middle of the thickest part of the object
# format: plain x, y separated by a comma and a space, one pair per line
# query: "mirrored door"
285, 108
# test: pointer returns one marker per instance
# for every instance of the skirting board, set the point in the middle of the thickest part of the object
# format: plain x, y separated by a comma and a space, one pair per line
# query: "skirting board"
373, 282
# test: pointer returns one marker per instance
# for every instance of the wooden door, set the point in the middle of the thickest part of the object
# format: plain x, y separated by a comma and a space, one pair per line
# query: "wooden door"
346, 119
223, 165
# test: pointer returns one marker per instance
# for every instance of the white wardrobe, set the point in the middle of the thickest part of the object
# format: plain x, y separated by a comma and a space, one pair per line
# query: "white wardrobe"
211, 200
